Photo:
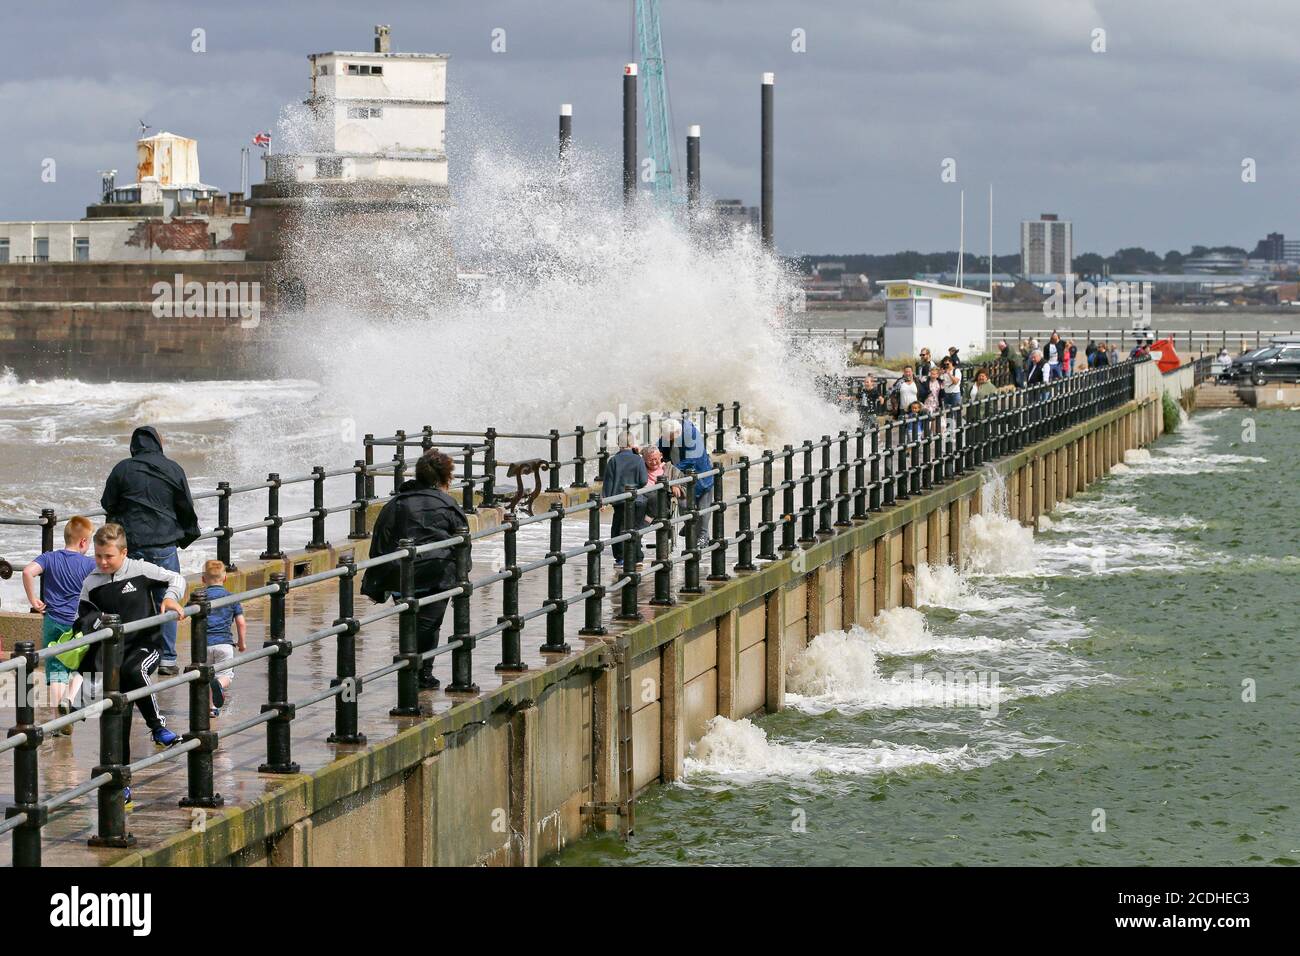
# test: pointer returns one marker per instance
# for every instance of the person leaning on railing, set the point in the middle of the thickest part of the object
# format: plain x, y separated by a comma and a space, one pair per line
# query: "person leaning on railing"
871, 399
984, 388
423, 511
626, 467
1038, 371
904, 392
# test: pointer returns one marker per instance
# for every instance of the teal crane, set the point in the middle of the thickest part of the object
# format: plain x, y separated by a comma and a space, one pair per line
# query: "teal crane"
654, 83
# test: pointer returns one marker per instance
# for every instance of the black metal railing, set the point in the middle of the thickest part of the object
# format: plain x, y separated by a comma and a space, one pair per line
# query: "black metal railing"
563, 454
842, 478
475, 480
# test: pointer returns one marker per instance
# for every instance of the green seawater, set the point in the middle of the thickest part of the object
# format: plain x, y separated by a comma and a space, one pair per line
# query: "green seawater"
1149, 671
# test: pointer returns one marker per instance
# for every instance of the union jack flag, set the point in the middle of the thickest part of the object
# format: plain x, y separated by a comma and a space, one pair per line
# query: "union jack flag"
262, 139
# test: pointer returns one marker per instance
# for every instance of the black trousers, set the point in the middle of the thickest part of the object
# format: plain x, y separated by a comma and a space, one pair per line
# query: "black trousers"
616, 528
427, 622
137, 665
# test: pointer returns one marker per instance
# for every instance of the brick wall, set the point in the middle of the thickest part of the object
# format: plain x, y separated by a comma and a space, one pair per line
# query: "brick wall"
94, 321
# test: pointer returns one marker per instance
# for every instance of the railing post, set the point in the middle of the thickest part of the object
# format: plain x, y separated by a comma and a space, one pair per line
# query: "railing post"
663, 596
692, 550
555, 460
787, 498
735, 418
467, 499
808, 512
860, 475
718, 556
745, 534
426, 438
399, 461
874, 496
359, 503
369, 467
511, 654
111, 830
318, 542
825, 498
580, 461
842, 504
602, 452
223, 525
592, 624
462, 658
627, 609
891, 464
555, 585
48, 521
923, 470
719, 446
408, 645
273, 518
345, 702
199, 761
490, 468
278, 728
767, 532
27, 798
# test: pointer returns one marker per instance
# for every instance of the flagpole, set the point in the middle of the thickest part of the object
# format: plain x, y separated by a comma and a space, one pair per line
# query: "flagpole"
961, 241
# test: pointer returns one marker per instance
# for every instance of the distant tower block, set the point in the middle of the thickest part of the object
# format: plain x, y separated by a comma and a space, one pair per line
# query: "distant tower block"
357, 210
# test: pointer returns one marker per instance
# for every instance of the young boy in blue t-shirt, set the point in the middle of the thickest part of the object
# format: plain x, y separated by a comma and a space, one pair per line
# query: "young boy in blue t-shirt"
61, 572
222, 643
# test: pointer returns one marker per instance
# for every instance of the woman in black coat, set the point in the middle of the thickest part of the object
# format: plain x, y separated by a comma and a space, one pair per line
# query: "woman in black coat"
423, 510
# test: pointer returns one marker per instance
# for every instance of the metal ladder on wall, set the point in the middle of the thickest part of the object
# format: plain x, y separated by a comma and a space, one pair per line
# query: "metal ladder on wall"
626, 789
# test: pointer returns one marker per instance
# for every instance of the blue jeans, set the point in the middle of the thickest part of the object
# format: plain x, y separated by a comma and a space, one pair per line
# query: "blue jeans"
164, 558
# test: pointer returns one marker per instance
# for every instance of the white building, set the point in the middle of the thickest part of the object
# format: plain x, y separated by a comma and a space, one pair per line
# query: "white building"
1046, 246
379, 116
926, 315
369, 159
167, 213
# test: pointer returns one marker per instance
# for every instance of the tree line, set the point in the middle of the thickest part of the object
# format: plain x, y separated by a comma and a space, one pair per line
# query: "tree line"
900, 265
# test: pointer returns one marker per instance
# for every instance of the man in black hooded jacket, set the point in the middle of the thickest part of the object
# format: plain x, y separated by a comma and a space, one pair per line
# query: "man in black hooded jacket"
149, 495
424, 511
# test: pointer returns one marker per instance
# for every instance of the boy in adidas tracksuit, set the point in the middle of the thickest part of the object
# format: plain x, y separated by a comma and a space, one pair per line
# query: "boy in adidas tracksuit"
124, 586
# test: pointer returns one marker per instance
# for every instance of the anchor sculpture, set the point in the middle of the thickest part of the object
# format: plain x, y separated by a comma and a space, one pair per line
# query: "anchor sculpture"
519, 470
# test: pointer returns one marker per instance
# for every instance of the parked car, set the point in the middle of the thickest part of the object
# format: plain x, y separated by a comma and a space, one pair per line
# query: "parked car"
1235, 372
1277, 363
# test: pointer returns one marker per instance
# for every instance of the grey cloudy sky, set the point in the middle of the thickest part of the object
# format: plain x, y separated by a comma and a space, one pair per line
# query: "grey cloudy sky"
1140, 145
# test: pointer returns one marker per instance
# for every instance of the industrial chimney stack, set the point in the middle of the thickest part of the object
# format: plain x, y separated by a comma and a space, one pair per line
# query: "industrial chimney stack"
381, 38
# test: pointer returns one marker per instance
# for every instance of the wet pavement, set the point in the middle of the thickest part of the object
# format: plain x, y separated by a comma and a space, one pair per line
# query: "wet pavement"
65, 761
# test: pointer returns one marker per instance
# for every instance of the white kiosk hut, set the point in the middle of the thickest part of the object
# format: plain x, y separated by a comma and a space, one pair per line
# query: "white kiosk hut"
922, 315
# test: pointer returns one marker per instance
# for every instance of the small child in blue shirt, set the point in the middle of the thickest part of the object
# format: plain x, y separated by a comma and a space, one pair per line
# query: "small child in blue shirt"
61, 572
226, 632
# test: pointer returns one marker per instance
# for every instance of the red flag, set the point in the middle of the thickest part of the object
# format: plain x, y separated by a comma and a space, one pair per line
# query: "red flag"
262, 139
